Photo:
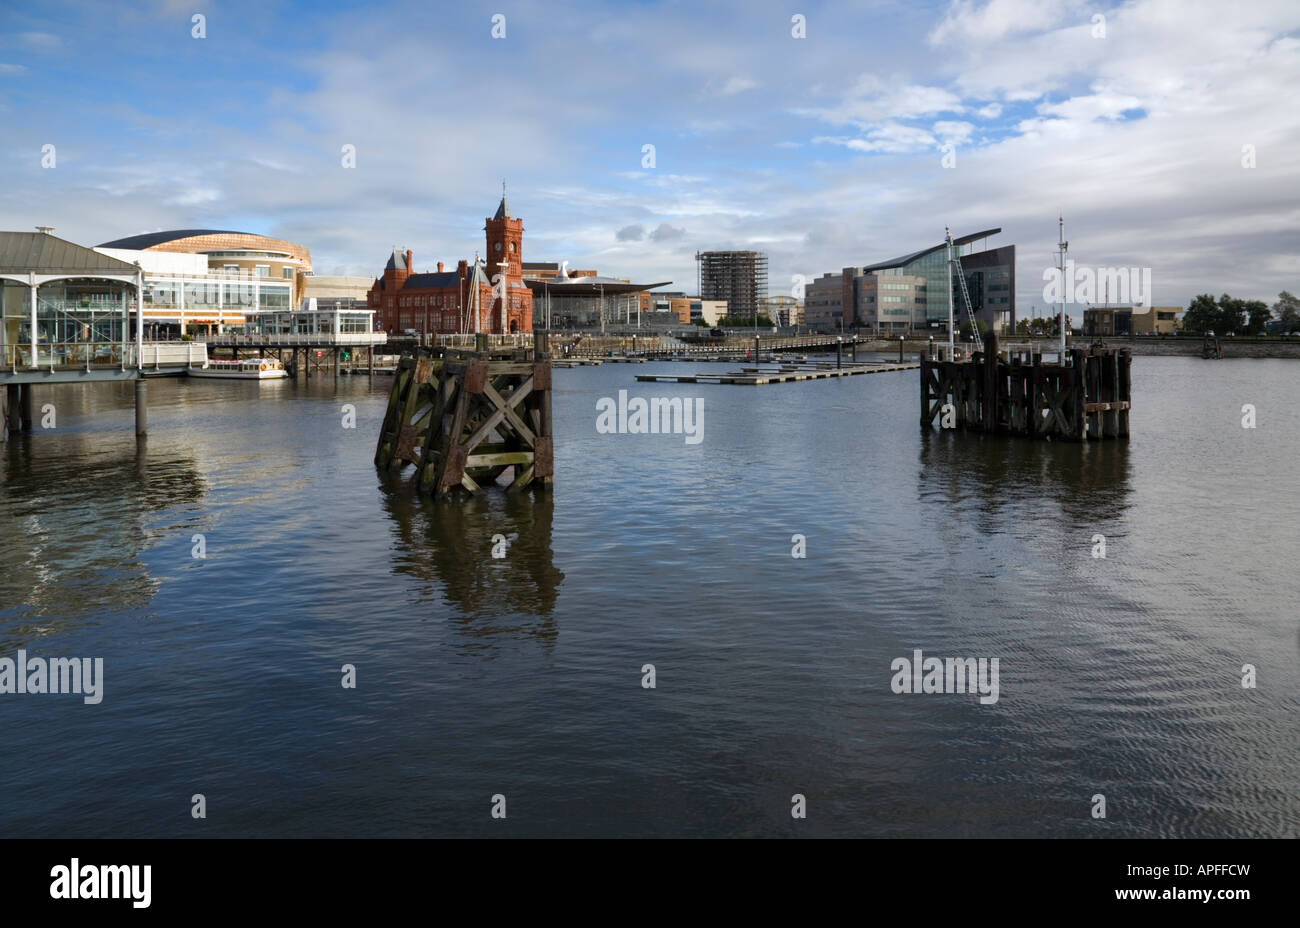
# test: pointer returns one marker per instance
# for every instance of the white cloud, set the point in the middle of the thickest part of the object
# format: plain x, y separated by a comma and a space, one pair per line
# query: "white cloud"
888, 137
955, 132
871, 101
735, 85
967, 22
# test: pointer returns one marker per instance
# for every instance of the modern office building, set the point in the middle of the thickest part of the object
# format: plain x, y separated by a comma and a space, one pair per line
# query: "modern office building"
463, 300
884, 303
823, 303
737, 277
990, 279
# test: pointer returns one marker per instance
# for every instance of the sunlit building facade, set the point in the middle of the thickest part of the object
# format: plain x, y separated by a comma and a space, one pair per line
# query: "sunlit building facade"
990, 280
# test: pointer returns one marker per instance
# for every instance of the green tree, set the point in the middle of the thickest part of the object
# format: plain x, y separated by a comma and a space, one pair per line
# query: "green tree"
1287, 308
737, 322
1256, 315
1232, 315
1202, 315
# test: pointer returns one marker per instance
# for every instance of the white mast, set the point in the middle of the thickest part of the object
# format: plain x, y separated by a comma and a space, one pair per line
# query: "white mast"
947, 235
1063, 246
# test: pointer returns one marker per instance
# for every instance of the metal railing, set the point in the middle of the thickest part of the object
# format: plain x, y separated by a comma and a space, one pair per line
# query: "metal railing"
513, 340
296, 338
102, 355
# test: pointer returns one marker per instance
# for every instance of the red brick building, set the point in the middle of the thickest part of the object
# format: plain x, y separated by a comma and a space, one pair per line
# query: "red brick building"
463, 300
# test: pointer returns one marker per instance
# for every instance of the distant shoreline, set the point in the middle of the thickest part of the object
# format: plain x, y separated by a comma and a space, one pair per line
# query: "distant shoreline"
1141, 346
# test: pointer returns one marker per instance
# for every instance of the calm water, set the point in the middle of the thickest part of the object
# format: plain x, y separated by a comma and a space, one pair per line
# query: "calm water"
522, 676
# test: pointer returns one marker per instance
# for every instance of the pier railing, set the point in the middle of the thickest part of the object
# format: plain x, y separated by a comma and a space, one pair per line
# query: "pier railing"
467, 342
292, 339
63, 356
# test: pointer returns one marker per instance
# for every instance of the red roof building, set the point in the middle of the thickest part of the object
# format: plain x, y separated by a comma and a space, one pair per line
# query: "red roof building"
466, 300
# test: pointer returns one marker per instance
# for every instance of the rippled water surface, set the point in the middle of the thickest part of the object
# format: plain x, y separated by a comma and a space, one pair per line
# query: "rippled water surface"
523, 675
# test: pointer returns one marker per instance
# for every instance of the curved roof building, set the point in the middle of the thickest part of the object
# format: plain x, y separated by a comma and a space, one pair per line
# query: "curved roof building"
990, 274
222, 247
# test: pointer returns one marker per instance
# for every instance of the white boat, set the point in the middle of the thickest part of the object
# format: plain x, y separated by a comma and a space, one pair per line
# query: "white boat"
246, 369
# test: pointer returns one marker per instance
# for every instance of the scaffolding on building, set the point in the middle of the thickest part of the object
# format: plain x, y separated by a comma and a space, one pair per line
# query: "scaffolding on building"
739, 277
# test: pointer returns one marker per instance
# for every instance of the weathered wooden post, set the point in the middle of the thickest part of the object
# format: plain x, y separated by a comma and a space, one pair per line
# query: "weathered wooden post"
990, 385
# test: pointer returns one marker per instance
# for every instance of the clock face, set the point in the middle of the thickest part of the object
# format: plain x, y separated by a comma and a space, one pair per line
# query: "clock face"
498, 246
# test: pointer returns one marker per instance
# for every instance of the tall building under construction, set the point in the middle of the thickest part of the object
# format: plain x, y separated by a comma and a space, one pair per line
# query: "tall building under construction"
739, 277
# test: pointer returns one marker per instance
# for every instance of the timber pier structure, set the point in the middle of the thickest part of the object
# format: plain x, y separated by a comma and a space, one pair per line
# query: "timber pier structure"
465, 417
1085, 399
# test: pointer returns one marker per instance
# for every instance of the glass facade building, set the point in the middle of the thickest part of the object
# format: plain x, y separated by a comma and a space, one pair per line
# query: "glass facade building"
990, 280
173, 303
321, 322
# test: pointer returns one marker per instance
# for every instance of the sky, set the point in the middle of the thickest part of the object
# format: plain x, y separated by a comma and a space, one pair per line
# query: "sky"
824, 134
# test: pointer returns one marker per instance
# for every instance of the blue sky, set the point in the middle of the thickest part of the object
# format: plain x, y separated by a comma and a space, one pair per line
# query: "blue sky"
825, 151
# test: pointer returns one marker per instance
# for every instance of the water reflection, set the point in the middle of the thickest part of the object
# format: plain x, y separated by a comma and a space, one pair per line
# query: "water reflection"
79, 517
1004, 475
450, 544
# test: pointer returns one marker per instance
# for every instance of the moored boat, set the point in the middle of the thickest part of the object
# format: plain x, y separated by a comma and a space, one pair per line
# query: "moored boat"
245, 369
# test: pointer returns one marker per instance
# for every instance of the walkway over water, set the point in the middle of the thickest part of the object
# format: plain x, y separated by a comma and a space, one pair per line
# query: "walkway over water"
98, 362
757, 376
298, 340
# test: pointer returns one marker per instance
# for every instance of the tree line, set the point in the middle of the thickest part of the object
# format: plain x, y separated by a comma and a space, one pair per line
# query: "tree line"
1228, 315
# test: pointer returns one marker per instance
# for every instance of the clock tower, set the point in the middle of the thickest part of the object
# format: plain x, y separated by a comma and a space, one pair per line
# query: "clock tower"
505, 239
505, 242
